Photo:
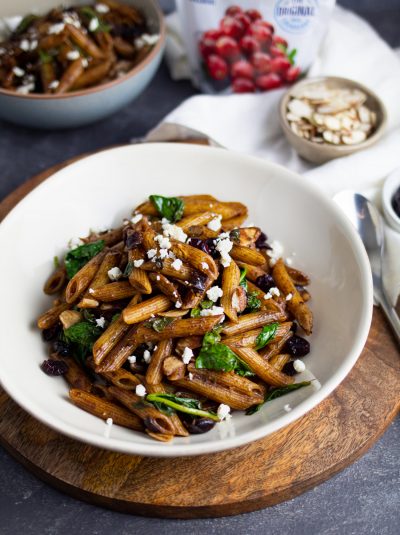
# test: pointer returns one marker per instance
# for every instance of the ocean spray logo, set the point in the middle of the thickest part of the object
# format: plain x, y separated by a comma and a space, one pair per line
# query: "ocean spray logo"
294, 16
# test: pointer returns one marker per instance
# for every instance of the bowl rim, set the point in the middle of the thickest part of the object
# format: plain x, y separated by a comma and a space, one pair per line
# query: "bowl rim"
343, 149
391, 184
182, 450
90, 90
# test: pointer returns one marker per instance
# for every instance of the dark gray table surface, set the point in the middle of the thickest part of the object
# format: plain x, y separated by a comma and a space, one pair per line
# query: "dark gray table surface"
363, 499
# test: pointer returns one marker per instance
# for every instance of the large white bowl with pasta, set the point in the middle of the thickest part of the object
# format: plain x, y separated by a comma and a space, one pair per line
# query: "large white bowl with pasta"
98, 191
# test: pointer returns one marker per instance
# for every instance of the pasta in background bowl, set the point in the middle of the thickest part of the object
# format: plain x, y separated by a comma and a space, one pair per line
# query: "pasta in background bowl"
98, 192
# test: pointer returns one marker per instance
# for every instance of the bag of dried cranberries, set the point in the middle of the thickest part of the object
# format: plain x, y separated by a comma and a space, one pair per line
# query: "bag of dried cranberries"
251, 45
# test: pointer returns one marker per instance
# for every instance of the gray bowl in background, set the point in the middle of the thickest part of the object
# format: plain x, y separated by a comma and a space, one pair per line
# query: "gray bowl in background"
88, 105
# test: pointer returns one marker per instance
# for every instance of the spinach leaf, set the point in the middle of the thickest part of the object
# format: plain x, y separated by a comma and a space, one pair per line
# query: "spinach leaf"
219, 357
158, 324
56, 262
277, 393
187, 405
242, 280
128, 269
195, 312
168, 207
234, 235
81, 338
266, 335
78, 257
292, 55
115, 317
253, 303
89, 13
25, 23
45, 57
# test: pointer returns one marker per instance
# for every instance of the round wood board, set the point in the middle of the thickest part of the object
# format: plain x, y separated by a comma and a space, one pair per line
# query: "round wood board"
279, 467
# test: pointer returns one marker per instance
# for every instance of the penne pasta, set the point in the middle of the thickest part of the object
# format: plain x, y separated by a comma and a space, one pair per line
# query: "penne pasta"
114, 291
154, 374
80, 282
178, 328
135, 313
230, 283
101, 278
247, 255
56, 281
138, 278
252, 321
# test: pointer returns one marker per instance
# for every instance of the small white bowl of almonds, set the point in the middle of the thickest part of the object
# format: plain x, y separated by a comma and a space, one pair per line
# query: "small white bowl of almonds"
329, 117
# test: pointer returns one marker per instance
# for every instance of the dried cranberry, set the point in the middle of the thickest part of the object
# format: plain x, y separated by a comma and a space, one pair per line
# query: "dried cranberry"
289, 368
199, 244
277, 40
280, 65
198, 281
212, 34
217, 67
261, 33
297, 346
133, 239
269, 81
210, 242
207, 47
199, 425
242, 69
243, 85
245, 20
396, 202
62, 348
54, 367
249, 45
265, 282
261, 62
292, 74
277, 52
261, 242
232, 27
51, 333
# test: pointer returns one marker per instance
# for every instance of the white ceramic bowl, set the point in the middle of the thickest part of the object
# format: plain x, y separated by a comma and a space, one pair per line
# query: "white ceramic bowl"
101, 190
85, 106
391, 185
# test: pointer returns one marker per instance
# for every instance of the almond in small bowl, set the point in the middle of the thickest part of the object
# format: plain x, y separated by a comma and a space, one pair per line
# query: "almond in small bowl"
329, 117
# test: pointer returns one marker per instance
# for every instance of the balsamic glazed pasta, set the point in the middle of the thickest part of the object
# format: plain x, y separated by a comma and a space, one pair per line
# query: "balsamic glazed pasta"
181, 315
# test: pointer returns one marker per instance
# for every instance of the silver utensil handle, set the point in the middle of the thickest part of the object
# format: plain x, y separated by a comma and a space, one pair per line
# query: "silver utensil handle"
390, 314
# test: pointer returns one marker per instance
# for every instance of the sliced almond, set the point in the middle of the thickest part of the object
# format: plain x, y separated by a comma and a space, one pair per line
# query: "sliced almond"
332, 123
354, 138
364, 114
331, 137
300, 108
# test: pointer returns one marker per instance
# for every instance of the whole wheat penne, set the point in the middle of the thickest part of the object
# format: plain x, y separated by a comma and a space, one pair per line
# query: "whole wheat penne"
101, 278
192, 342
298, 277
51, 41
50, 317
305, 295
110, 237
75, 375
195, 206
195, 219
146, 411
69, 77
122, 378
230, 282
108, 339
138, 278
279, 361
154, 373
199, 231
245, 254
180, 429
249, 338
275, 346
47, 75
178, 328
80, 282
135, 313
192, 299
126, 11
101, 390
119, 354
105, 409
196, 258
222, 394
83, 41
114, 291
234, 222
247, 236
252, 272
296, 304
123, 47
93, 75
56, 281
167, 287
271, 304
246, 322
230, 380
262, 368
185, 273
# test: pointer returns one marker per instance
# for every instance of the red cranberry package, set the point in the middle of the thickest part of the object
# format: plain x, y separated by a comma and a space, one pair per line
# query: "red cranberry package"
251, 45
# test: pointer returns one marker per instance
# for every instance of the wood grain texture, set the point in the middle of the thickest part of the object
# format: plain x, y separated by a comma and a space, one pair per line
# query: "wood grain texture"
266, 472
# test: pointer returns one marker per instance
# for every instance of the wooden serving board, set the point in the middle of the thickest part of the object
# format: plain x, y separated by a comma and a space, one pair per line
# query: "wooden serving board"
276, 468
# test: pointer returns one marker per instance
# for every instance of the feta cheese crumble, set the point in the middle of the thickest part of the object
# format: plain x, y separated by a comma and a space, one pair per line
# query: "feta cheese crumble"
91, 291
25, 89
136, 218
223, 412
178, 304
163, 253
146, 39
289, 297
190, 376
72, 55
224, 246
273, 291
18, 71
214, 293
147, 356
151, 253
109, 423
100, 322
213, 311
287, 407
54, 84
140, 391
289, 261
114, 273
93, 24
138, 263
132, 359
101, 8
204, 265
173, 231
275, 253
74, 243
177, 264
56, 28
187, 355
299, 365
163, 241
215, 224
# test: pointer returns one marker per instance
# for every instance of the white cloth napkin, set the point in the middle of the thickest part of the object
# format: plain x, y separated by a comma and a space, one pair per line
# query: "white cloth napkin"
250, 123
